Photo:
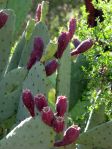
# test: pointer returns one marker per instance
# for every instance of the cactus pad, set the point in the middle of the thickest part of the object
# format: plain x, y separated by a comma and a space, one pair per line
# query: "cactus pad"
31, 134
100, 136
5, 42
10, 88
36, 82
40, 30
63, 78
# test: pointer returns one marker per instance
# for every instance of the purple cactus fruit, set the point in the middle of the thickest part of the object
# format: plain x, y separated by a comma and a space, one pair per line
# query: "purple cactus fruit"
72, 28
38, 13
47, 115
36, 53
28, 101
51, 66
84, 46
40, 101
3, 18
61, 105
63, 41
58, 124
76, 42
70, 136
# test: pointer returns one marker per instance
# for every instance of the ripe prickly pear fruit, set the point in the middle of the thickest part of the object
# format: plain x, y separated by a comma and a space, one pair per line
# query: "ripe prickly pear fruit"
40, 101
63, 41
37, 52
28, 101
47, 115
58, 124
38, 13
3, 18
76, 42
72, 27
70, 136
61, 105
84, 46
51, 66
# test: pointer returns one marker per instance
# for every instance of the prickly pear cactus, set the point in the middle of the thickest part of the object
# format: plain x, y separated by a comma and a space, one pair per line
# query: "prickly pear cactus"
3, 4
86, 147
20, 11
31, 133
63, 77
16, 56
29, 29
99, 136
36, 82
5, 43
10, 89
45, 7
96, 117
17, 53
40, 30
49, 51
77, 83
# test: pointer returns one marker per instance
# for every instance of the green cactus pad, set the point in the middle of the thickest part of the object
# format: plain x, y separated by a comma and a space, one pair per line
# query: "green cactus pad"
3, 4
31, 134
29, 28
15, 59
6, 34
21, 8
80, 146
36, 82
96, 117
17, 53
45, 7
10, 88
64, 70
100, 136
40, 30
49, 51
77, 83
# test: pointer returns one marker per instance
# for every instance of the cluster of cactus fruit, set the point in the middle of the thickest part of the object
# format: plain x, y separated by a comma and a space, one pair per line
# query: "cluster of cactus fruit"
54, 120
27, 75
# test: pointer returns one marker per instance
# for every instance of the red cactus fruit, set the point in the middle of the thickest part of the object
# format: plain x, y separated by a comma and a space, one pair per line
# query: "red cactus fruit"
63, 41
58, 124
28, 101
36, 53
47, 115
84, 46
38, 13
72, 28
70, 136
40, 101
3, 18
51, 66
61, 105
76, 42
